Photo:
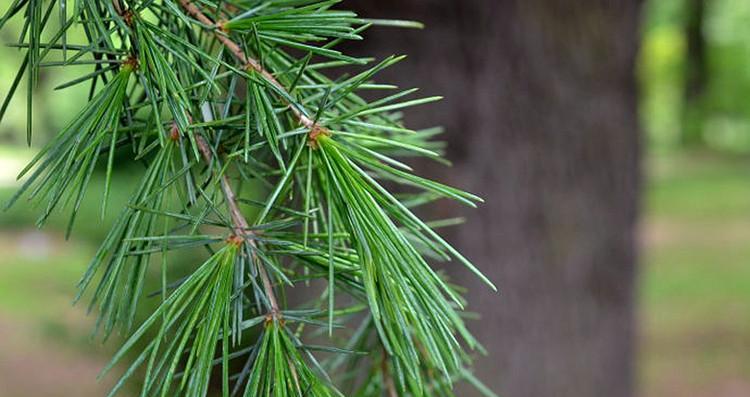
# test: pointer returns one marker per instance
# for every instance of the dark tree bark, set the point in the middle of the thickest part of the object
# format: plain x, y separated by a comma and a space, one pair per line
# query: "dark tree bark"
540, 111
696, 74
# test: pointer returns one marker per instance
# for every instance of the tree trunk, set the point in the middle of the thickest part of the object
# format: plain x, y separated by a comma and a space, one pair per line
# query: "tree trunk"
540, 111
696, 74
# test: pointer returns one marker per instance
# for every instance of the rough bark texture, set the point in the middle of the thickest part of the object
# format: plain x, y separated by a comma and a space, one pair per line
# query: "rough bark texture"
540, 111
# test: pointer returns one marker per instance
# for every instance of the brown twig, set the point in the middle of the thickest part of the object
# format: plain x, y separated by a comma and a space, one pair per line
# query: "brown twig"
240, 226
387, 379
249, 62
118, 7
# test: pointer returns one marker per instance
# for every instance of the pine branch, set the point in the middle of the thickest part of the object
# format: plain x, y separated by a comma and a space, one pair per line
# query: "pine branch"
249, 62
240, 224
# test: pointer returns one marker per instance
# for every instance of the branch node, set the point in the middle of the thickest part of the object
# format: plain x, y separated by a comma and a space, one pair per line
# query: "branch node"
174, 132
235, 240
316, 131
221, 26
130, 63
128, 16
273, 317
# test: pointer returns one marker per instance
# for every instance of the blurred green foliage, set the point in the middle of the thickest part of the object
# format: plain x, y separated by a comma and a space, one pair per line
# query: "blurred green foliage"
54, 108
662, 70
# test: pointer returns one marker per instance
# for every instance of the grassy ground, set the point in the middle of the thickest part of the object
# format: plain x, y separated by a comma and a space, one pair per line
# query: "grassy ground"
45, 344
44, 349
695, 279
694, 293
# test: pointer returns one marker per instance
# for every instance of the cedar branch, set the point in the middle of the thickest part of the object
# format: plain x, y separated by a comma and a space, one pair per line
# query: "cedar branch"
240, 225
249, 62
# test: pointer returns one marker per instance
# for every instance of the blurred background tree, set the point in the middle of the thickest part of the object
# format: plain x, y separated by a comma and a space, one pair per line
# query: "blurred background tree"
541, 119
696, 74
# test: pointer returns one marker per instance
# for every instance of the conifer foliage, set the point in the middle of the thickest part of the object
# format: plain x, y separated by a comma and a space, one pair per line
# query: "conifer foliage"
262, 154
